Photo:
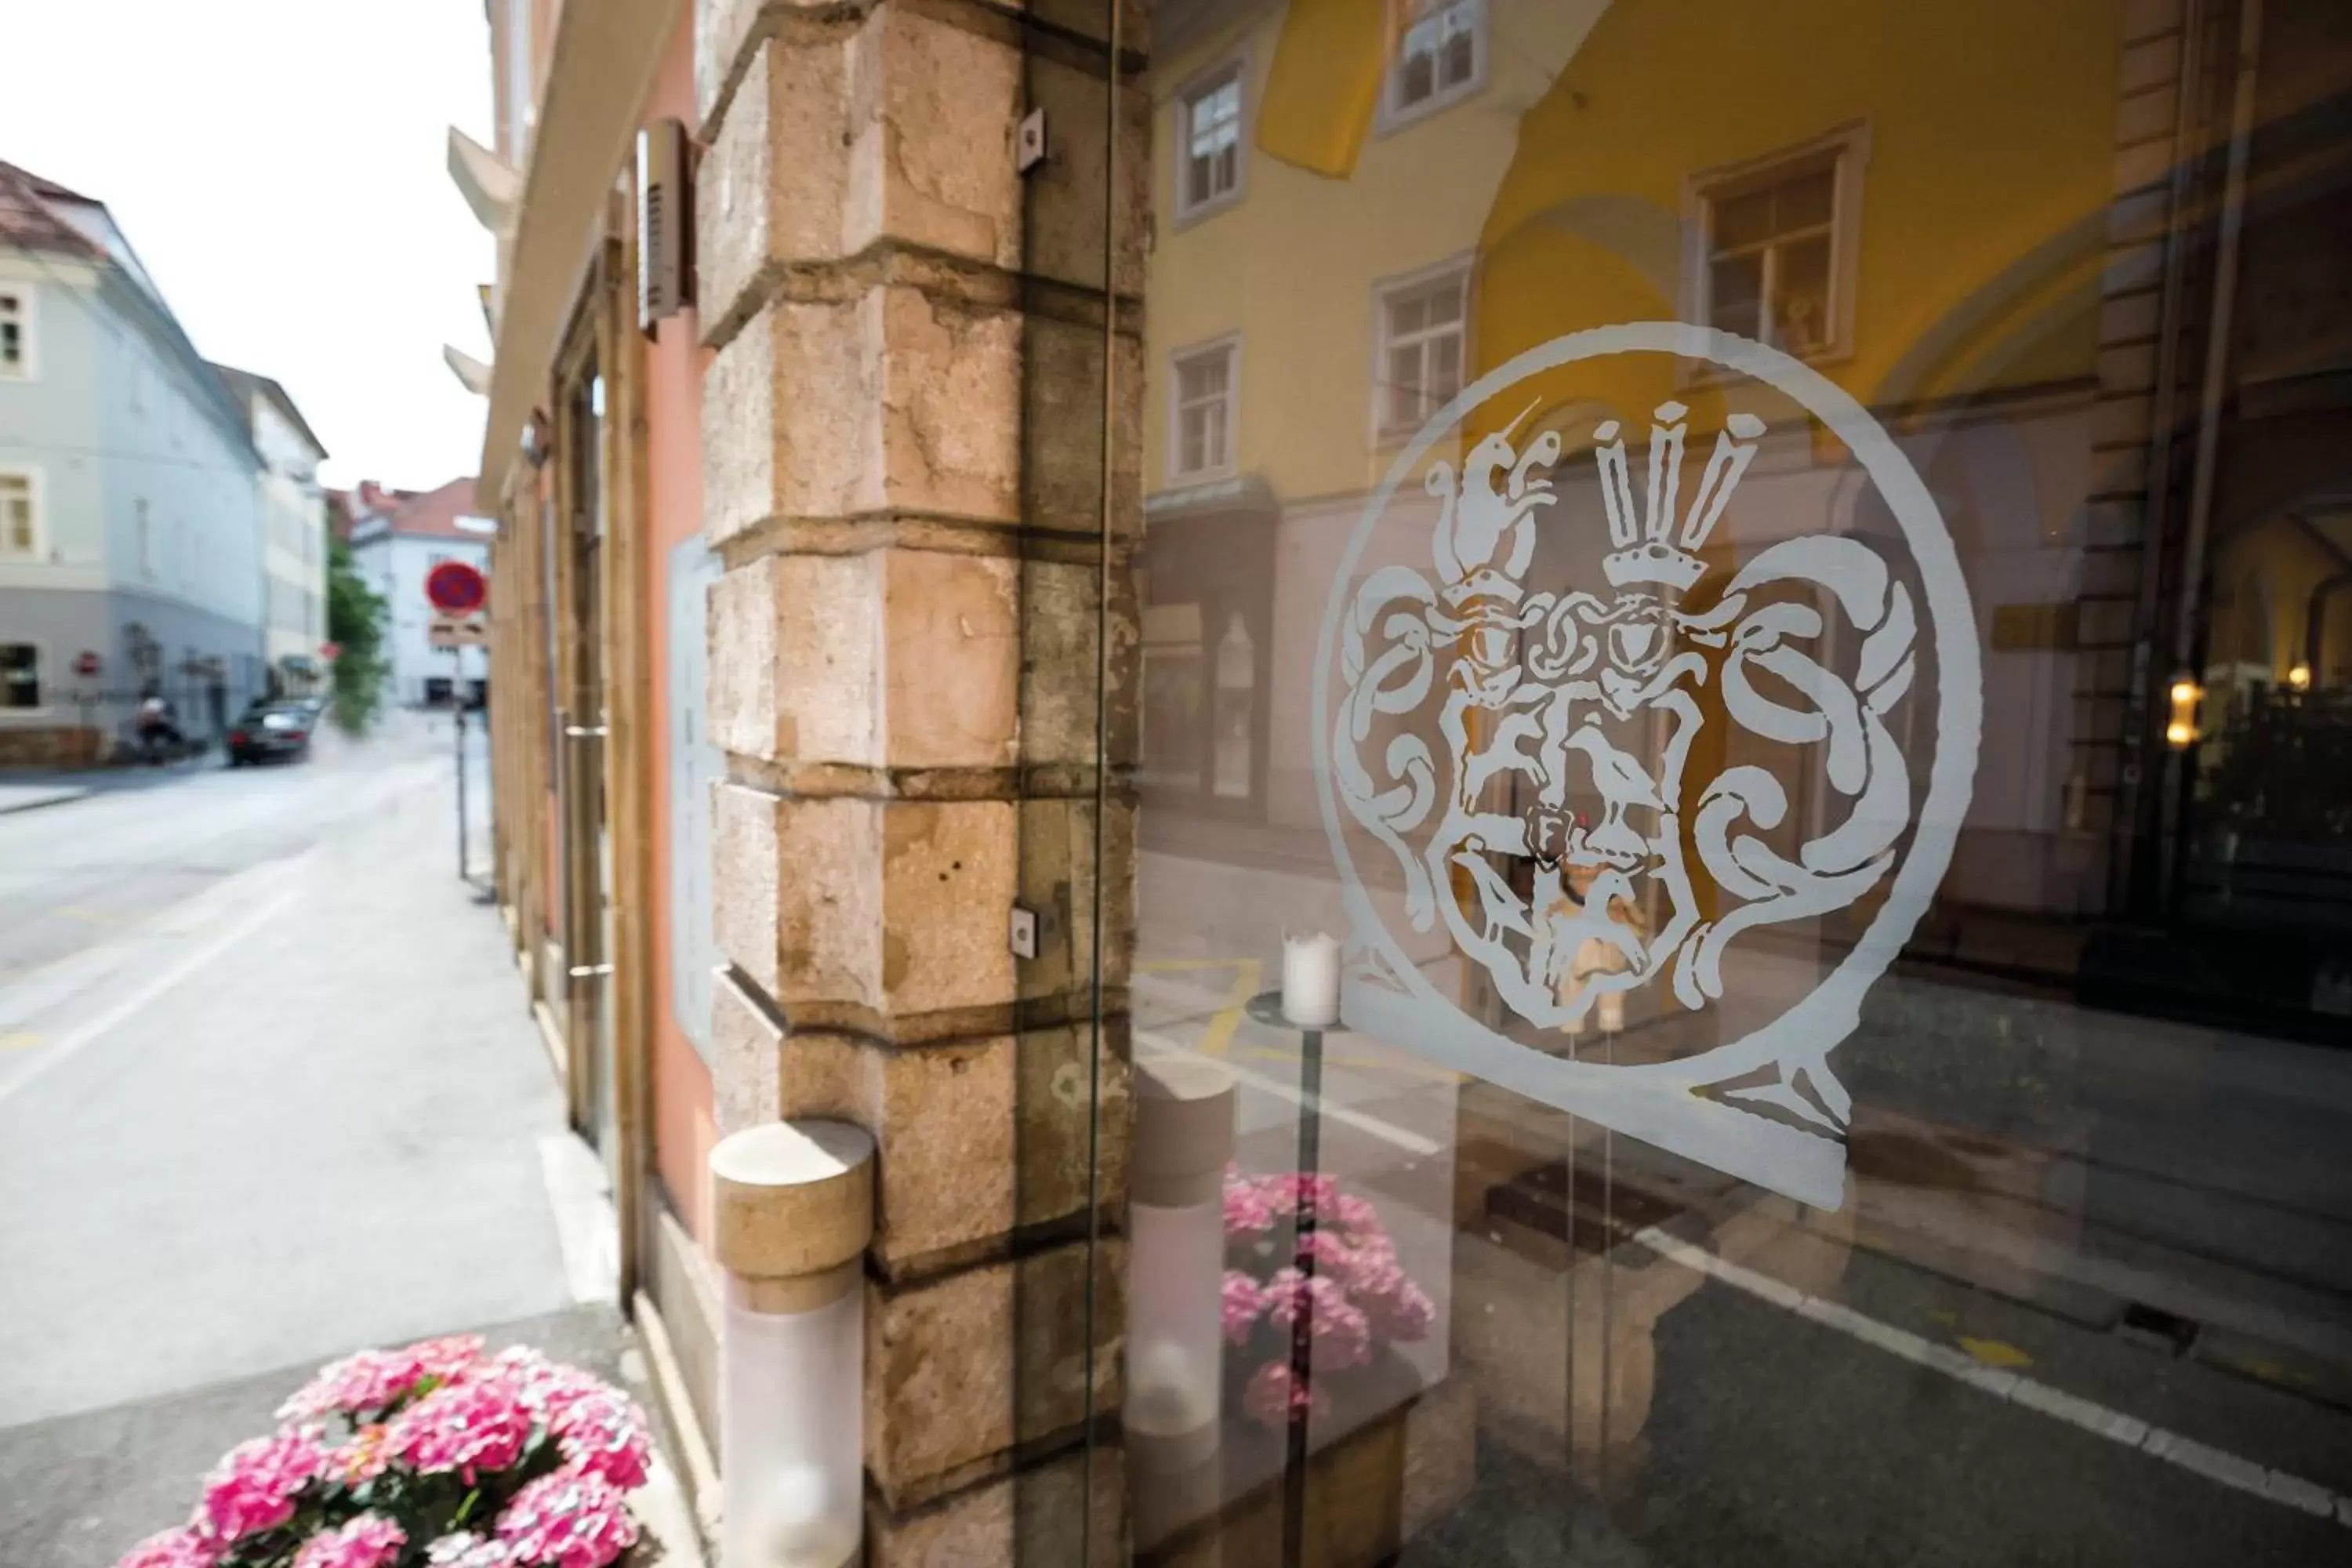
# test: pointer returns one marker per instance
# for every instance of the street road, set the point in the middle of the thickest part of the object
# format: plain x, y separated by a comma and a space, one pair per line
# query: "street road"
268, 1093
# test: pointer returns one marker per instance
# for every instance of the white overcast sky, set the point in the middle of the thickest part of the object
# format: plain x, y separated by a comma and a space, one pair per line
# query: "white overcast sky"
280, 166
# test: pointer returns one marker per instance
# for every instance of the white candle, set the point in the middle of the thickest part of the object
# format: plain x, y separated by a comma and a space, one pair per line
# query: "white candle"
1310, 980
1612, 1012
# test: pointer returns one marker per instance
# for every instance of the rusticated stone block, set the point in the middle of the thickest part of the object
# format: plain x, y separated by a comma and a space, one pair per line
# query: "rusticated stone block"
938, 1377
745, 1049
845, 907
948, 875
772, 187
1063, 429
1076, 1112
1067, 193
743, 879
931, 113
1060, 670
1069, 1510
943, 1118
951, 658
893, 402
960, 1368
893, 659
794, 661
1061, 877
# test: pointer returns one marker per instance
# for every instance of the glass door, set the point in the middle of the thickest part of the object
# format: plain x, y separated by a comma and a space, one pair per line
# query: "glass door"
1737, 949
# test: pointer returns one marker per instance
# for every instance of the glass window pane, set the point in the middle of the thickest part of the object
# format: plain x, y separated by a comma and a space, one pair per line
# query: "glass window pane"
1735, 293
1407, 313
1801, 303
1743, 220
1805, 201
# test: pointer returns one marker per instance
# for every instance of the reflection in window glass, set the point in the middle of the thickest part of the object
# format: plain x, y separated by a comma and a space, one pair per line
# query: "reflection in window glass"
1438, 58
1421, 355
1237, 700
1212, 137
1769, 257
1205, 410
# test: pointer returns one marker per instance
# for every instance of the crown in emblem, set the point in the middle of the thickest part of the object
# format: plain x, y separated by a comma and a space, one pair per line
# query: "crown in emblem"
1658, 547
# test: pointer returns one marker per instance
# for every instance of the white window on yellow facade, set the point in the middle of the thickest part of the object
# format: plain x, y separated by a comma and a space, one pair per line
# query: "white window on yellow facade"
20, 517
1440, 59
1778, 239
1209, 143
1201, 440
1420, 353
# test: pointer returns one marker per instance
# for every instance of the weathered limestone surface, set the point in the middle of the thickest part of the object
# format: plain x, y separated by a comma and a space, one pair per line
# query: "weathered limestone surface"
916, 686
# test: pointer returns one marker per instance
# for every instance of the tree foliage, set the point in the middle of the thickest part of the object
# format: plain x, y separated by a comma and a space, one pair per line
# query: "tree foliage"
355, 622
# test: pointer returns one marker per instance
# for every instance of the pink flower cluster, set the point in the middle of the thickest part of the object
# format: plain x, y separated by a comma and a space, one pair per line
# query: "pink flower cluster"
467, 1426
1356, 1296
370, 1540
255, 1487
441, 1408
369, 1382
186, 1548
568, 1519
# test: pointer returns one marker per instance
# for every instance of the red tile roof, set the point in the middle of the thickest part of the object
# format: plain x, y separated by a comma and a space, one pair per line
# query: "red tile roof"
433, 513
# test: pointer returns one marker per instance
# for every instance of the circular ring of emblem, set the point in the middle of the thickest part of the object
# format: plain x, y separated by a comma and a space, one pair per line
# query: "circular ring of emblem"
1535, 690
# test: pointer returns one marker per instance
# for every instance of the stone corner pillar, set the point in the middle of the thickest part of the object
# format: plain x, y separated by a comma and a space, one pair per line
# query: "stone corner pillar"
912, 351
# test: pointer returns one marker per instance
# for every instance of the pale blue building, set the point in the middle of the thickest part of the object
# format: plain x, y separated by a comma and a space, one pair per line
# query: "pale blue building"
131, 539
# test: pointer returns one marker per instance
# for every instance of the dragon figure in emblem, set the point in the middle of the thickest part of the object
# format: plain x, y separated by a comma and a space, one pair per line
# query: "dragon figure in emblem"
1553, 702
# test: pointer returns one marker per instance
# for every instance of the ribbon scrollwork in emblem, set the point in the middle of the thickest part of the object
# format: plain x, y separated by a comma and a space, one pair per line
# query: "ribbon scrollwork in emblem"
1469, 716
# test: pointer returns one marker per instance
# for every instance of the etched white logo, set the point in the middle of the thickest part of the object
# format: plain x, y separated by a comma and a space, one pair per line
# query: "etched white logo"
1472, 722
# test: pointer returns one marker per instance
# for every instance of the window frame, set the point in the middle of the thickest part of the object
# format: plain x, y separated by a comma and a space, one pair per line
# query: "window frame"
34, 497
1846, 148
29, 330
1229, 345
42, 684
1234, 67
1393, 116
1385, 292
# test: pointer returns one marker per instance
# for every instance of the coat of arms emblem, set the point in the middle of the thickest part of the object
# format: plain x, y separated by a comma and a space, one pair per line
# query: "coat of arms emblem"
1527, 756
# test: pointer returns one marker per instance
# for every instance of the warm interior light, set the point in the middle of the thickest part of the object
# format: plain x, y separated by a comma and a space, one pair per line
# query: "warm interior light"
2300, 677
2184, 693
2178, 733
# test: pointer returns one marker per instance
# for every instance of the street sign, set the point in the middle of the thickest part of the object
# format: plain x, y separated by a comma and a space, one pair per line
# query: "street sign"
86, 664
448, 631
456, 588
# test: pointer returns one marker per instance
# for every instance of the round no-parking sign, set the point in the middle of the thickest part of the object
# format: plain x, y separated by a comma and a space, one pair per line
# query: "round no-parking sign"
455, 588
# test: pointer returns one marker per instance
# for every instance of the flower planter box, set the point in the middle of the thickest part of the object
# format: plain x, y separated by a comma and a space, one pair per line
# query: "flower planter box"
1392, 1457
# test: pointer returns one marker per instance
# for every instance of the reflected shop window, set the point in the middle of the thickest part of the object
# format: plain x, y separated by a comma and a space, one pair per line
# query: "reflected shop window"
1745, 835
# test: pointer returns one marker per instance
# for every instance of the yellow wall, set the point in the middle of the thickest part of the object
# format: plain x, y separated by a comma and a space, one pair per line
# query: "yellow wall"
1292, 264
1983, 223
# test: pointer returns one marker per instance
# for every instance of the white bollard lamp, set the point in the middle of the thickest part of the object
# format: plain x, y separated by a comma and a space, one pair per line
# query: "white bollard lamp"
793, 1210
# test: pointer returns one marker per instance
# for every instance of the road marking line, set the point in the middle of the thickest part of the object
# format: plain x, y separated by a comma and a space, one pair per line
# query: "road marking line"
1248, 974
1412, 1143
70, 1044
2214, 1464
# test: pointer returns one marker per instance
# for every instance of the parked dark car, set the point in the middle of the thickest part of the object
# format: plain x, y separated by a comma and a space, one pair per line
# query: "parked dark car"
270, 731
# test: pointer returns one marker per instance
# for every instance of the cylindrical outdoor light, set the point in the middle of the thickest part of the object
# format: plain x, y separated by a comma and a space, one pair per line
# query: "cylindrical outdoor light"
792, 1209
1176, 1272
1176, 1269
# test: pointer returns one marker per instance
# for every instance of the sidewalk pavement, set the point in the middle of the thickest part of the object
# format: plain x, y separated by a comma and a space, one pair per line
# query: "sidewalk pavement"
331, 1128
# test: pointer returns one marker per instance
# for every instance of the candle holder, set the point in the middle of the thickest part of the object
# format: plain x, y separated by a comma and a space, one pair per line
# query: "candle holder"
1268, 1009
792, 1212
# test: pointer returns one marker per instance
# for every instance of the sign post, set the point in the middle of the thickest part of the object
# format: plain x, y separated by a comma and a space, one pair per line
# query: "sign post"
459, 593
